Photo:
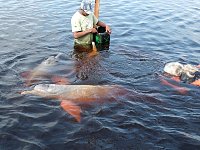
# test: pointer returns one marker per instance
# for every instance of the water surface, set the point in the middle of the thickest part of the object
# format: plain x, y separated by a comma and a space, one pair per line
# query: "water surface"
145, 36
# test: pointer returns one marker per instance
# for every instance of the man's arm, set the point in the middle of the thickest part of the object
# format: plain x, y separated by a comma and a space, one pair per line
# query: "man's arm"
102, 24
82, 33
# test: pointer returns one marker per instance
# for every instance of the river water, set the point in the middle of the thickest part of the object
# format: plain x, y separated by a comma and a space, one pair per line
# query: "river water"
145, 36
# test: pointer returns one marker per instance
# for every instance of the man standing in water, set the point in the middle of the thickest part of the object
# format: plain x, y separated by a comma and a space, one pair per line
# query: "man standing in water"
84, 24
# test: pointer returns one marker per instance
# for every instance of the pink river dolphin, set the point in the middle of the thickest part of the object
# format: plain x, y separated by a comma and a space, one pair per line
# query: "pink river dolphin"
42, 69
72, 95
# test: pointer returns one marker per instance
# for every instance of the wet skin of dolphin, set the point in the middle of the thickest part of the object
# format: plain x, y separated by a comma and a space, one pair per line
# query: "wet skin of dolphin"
70, 95
41, 69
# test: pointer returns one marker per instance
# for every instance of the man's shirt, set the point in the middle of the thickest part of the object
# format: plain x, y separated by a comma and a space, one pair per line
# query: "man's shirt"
81, 23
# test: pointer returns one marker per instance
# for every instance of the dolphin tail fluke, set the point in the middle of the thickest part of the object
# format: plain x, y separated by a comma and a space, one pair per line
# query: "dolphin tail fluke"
177, 88
72, 109
60, 80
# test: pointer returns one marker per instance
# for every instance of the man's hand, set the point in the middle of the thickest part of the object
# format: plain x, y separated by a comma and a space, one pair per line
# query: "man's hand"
93, 30
108, 29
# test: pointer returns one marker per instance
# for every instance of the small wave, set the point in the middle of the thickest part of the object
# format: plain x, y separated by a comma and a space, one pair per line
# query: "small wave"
10, 142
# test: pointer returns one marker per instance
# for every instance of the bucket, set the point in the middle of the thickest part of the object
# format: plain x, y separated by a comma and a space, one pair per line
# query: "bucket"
102, 39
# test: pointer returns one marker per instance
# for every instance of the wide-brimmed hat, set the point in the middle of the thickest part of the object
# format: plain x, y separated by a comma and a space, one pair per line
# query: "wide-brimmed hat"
86, 5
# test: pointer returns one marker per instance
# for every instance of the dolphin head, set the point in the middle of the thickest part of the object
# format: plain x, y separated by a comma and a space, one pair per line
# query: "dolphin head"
50, 61
43, 88
53, 59
49, 89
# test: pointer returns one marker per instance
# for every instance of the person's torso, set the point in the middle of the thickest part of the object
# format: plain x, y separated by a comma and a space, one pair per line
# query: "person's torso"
85, 23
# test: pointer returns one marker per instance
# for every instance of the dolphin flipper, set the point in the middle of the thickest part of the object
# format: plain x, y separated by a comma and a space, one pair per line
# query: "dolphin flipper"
60, 80
72, 109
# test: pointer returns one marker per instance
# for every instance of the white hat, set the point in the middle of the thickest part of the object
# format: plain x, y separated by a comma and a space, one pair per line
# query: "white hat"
86, 5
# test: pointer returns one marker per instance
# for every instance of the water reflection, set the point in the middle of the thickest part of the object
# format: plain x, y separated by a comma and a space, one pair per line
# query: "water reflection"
84, 66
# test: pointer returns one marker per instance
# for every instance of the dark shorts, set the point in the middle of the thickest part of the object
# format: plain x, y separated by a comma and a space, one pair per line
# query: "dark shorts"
82, 48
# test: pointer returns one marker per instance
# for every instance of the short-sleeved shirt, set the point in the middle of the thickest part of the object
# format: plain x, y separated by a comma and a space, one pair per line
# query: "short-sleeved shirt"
81, 23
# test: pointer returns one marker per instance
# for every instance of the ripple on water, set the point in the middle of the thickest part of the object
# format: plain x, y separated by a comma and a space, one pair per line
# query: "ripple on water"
145, 35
